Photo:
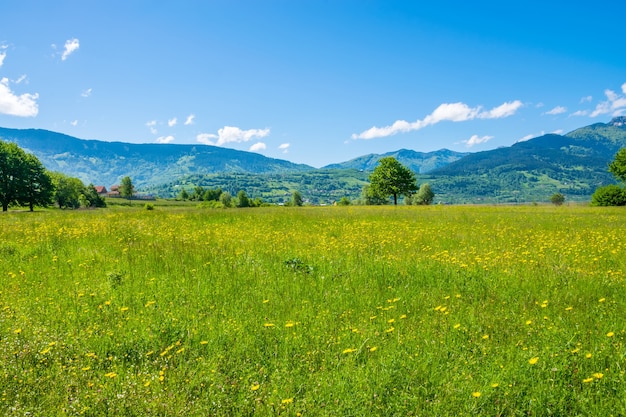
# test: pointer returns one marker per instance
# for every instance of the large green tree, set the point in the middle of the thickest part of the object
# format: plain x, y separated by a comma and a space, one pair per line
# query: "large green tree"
23, 179
37, 189
11, 156
391, 178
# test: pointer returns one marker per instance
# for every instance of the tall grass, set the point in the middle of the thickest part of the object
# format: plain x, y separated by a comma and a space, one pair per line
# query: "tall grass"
313, 311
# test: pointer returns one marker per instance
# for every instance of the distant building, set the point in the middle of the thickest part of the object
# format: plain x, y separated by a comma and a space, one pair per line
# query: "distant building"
101, 189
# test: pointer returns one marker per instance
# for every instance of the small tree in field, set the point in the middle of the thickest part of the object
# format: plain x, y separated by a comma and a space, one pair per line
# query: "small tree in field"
391, 178
296, 199
557, 199
127, 188
424, 196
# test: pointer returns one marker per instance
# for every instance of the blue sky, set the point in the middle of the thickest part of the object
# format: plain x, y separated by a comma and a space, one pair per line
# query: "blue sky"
315, 82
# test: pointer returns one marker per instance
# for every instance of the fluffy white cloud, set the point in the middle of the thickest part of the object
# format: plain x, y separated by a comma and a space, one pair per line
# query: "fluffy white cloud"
557, 110
74, 123
587, 99
86, 93
24, 105
2, 56
71, 45
190, 119
259, 146
503, 110
475, 140
452, 112
284, 147
172, 122
151, 125
580, 113
615, 104
165, 139
231, 134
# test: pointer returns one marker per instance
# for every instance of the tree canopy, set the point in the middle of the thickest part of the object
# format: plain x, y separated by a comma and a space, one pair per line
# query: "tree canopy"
127, 189
23, 179
618, 166
391, 178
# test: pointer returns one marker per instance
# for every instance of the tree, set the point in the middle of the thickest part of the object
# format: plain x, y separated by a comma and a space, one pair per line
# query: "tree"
424, 196
618, 166
67, 190
296, 199
557, 199
242, 199
37, 189
10, 157
126, 188
92, 197
23, 179
226, 199
391, 178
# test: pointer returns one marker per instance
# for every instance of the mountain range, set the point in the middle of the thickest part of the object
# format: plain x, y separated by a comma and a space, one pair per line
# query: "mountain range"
573, 164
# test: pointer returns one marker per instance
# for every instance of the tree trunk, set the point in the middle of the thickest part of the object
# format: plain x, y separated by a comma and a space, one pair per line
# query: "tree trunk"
395, 199
5, 206
31, 206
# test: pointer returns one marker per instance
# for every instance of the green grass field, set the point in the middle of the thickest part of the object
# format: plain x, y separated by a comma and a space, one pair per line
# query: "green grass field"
343, 311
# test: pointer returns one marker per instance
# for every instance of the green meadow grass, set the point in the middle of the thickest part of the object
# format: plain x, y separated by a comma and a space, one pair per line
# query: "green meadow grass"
427, 311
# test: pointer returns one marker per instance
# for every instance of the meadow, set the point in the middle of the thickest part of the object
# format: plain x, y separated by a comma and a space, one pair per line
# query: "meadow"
408, 311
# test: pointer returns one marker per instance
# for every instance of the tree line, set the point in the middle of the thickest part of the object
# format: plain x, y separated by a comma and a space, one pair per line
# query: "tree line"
24, 181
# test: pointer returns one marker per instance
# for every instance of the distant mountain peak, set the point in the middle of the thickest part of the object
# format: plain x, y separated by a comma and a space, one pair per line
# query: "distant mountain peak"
618, 121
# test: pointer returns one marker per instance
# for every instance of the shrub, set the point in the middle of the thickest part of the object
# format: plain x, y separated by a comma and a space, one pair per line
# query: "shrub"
557, 199
609, 195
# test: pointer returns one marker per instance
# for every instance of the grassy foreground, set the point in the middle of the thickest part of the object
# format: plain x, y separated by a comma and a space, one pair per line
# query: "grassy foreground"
429, 311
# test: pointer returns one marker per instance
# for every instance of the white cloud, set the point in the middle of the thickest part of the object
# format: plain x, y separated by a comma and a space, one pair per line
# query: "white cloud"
172, 122
452, 112
24, 105
615, 104
151, 125
86, 93
580, 113
284, 147
2, 56
259, 146
74, 123
230, 134
165, 139
587, 99
557, 110
531, 136
190, 119
558, 132
71, 45
21, 79
504, 110
475, 140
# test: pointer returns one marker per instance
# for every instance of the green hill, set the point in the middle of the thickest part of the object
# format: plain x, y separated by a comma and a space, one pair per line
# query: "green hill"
105, 163
574, 164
